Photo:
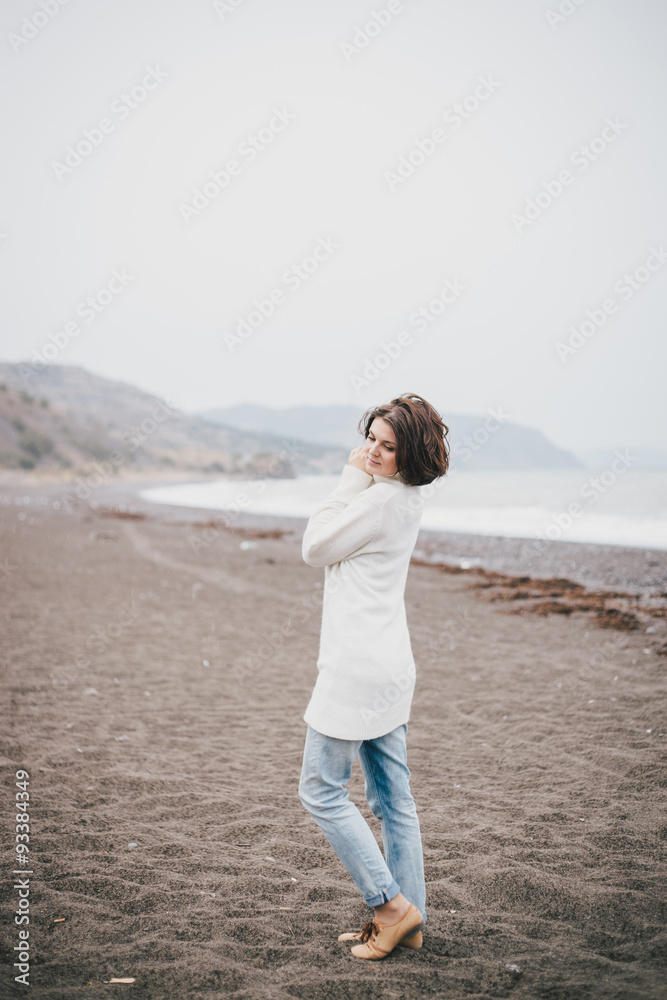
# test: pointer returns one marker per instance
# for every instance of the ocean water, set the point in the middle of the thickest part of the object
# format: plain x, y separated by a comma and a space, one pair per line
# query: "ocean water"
622, 507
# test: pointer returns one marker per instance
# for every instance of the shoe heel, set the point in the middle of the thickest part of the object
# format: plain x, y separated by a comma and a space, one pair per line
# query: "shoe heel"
414, 940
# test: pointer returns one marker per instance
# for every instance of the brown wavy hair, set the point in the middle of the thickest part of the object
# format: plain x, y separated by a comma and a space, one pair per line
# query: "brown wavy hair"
422, 451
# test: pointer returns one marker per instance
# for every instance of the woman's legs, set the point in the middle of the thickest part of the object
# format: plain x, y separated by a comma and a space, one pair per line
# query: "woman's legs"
327, 764
384, 763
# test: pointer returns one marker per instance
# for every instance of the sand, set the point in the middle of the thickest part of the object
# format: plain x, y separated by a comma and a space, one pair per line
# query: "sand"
155, 672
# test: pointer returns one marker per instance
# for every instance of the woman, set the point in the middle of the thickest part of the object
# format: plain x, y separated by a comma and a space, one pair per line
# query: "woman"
363, 535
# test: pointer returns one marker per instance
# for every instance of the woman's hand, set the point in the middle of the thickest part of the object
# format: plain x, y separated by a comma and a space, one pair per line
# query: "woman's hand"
358, 458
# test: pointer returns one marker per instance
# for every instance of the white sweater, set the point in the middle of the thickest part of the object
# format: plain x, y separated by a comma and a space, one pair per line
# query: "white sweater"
363, 534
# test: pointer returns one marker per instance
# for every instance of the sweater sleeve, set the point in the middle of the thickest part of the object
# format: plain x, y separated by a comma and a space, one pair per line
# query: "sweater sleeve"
338, 528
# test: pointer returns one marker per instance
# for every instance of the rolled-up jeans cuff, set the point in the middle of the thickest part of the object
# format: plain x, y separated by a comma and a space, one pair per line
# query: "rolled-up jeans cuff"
383, 897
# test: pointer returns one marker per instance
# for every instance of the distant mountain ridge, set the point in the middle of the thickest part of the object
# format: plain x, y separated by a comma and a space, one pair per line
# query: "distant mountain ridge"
66, 418
490, 442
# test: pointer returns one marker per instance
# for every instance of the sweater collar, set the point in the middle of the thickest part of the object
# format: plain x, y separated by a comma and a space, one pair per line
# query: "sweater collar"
396, 478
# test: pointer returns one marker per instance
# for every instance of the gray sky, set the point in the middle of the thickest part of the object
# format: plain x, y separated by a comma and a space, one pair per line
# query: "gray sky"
321, 108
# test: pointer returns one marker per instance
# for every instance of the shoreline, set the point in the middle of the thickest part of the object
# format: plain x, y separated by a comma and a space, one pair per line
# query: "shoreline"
593, 565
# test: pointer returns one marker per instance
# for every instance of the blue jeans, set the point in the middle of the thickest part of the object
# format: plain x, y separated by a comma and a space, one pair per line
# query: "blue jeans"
327, 764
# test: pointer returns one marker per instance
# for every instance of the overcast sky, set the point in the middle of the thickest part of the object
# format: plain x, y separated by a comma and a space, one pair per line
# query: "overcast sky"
375, 164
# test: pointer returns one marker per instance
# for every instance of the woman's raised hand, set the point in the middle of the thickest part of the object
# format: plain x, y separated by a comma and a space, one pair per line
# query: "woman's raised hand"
358, 458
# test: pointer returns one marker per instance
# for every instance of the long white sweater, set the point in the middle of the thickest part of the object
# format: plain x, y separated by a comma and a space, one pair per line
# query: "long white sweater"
363, 534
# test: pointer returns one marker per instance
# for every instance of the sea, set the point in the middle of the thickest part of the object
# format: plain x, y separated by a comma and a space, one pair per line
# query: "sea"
611, 507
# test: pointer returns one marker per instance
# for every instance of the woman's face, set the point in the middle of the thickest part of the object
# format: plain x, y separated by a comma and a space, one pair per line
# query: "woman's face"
380, 449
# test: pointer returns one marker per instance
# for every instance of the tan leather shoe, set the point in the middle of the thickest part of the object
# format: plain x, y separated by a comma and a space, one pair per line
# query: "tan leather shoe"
377, 940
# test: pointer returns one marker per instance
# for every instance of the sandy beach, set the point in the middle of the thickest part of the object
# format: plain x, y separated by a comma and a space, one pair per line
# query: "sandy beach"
155, 669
